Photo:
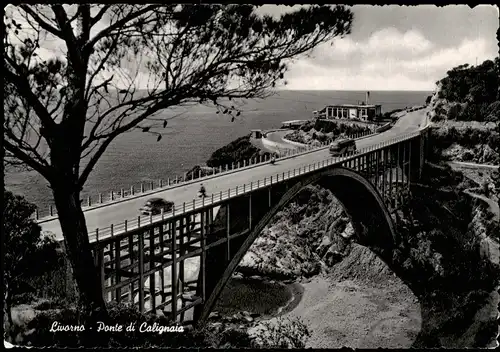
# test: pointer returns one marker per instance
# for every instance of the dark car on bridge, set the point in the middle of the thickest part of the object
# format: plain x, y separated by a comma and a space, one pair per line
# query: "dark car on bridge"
154, 206
342, 146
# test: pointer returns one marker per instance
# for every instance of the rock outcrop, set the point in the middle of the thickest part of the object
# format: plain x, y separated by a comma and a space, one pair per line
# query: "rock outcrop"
312, 233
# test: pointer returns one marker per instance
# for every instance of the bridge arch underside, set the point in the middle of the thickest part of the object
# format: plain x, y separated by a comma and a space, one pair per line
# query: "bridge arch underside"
363, 203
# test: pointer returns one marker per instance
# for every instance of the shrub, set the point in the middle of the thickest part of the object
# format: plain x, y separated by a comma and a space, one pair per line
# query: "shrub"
27, 255
494, 141
284, 333
467, 156
307, 126
331, 126
454, 111
492, 113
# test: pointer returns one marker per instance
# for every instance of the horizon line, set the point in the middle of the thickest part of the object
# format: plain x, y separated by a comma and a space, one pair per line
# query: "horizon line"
359, 90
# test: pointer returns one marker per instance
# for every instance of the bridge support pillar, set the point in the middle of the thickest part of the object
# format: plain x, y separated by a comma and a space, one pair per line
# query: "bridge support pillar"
416, 158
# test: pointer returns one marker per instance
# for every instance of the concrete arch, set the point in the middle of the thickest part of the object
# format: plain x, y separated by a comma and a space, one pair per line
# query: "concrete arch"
363, 203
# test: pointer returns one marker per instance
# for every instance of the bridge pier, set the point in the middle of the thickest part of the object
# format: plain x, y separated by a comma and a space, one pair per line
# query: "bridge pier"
416, 158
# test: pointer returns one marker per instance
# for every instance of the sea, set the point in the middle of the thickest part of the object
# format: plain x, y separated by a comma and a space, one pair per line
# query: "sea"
192, 135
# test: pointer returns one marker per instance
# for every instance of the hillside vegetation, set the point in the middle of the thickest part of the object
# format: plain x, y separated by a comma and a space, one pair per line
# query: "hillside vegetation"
321, 131
470, 93
465, 112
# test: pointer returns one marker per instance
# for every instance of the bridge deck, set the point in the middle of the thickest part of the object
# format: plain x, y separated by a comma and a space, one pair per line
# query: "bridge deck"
183, 196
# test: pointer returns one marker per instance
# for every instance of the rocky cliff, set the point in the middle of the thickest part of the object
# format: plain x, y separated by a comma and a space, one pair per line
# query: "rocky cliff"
465, 113
308, 235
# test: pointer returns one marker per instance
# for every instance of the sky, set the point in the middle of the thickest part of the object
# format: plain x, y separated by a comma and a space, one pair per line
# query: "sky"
398, 48
390, 47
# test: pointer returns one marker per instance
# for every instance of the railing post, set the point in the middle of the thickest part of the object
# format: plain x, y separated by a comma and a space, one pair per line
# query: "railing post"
126, 222
132, 190
269, 196
152, 185
390, 176
37, 216
100, 198
174, 271
199, 173
142, 187
384, 169
141, 274
89, 201
250, 211
176, 179
112, 195
236, 190
409, 165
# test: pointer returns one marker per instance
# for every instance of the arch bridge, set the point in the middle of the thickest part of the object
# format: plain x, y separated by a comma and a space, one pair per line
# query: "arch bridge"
180, 263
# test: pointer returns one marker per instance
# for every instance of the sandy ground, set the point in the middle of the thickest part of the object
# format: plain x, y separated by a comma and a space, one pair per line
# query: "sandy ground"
357, 315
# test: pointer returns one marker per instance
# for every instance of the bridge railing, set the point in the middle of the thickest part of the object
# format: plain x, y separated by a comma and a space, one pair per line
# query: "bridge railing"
152, 187
143, 222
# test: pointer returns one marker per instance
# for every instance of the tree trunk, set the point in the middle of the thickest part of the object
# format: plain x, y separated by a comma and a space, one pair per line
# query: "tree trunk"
9, 328
92, 307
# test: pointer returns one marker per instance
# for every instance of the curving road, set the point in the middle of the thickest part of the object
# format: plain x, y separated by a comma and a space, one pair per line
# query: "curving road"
116, 213
278, 138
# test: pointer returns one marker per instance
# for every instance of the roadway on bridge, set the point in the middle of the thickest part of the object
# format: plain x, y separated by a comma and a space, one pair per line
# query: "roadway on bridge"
117, 213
